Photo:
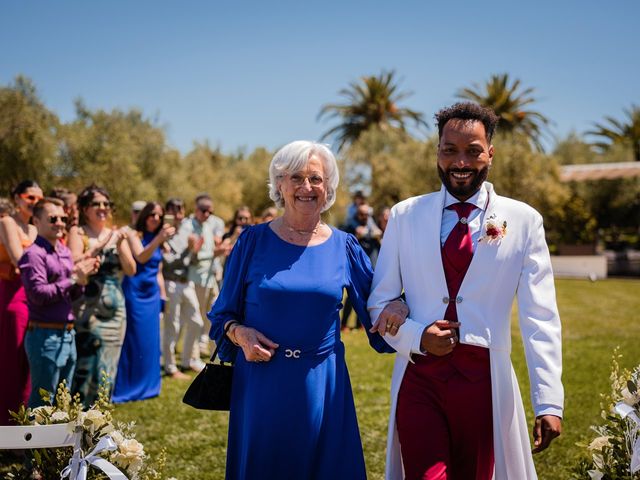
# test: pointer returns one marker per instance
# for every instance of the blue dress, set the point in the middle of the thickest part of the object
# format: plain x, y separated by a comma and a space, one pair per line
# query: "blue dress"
293, 417
139, 366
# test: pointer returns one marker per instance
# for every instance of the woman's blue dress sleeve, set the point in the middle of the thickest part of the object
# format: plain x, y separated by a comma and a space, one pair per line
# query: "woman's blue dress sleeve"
359, 277
230, 302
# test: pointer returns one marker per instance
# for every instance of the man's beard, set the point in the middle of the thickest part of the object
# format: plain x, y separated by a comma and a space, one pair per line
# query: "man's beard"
466, 191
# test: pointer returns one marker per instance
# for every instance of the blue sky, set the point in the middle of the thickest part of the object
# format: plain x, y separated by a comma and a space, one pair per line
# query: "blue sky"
255, 73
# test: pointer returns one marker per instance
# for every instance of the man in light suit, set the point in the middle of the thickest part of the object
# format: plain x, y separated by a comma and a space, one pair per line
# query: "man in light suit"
460, 256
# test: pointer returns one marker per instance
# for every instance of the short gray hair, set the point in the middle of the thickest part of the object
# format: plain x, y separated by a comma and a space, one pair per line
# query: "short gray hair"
293, 157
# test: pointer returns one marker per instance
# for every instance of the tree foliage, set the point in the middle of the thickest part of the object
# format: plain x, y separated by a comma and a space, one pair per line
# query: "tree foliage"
372, 101
27, 135
617, 132
511, 104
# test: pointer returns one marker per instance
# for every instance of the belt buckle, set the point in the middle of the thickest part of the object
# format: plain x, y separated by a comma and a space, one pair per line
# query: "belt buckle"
289, 353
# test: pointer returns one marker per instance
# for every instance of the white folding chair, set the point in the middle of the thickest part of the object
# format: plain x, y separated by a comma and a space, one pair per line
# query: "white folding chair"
36, 436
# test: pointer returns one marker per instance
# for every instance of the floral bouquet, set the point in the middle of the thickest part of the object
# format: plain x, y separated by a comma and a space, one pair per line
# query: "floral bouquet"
110, 443
615, 452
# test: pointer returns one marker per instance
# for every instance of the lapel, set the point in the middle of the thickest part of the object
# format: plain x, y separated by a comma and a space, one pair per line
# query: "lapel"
430, 221
484, 253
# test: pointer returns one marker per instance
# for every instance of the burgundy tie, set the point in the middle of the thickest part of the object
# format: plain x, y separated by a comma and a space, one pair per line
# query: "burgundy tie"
459, 247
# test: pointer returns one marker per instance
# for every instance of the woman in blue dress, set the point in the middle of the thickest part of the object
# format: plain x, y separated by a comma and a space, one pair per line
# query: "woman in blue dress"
277, 318
139, 366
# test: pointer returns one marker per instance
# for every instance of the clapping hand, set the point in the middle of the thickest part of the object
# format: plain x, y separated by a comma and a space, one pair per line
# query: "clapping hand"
85, 268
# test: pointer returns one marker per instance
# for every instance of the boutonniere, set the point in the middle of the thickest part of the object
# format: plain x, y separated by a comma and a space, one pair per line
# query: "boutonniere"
494, 230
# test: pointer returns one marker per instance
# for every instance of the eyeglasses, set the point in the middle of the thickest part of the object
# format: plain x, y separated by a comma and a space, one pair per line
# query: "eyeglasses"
106, 205
298, 179
53, 219
243, 219
156, 215
30, 198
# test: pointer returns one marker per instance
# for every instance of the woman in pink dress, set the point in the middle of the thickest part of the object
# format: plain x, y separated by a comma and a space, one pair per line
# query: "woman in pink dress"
15, 236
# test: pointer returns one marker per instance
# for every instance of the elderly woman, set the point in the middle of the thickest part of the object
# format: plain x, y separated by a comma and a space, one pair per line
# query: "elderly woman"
277, 317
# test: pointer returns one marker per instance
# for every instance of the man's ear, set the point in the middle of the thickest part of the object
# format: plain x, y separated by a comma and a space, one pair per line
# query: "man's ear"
491, 151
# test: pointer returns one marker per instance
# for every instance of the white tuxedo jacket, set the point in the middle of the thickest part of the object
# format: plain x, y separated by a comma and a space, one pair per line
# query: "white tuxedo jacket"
517, 266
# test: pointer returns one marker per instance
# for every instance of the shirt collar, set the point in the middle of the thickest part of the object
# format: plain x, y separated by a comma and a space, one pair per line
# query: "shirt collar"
44, 243
479, 199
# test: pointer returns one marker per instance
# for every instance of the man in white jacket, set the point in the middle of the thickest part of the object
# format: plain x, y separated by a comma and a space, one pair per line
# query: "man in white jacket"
460, 256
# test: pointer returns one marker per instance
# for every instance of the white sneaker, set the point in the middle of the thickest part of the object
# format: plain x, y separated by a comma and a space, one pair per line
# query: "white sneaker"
196, 365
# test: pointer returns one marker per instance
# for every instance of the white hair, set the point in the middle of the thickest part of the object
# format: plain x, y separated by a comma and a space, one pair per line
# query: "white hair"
294, 157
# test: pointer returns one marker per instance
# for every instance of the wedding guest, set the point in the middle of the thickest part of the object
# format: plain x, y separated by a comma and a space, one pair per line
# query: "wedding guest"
16, 234
205, 270
368, 235
183, 308
51, 283
382, 218
277, 318
100, 313
70, 200
268, 214
242, 218
136, 208
138, 374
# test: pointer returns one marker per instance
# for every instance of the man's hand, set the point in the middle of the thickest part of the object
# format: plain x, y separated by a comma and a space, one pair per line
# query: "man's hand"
84, 268
439, 338
547, 428
391, 318
194, 243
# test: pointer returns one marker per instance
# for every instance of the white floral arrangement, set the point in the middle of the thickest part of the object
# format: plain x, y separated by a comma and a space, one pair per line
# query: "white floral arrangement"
615, 452
494, 230
101, 438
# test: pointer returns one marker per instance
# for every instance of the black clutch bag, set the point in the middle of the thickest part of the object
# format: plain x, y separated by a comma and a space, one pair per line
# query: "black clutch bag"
211, 389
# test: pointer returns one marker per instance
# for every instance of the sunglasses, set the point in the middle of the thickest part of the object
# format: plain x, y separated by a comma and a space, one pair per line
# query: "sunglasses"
106, 205
53, 219
156, 215
205, 210
30, 198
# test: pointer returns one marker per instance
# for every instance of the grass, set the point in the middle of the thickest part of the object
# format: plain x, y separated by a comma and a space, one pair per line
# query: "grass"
596, 318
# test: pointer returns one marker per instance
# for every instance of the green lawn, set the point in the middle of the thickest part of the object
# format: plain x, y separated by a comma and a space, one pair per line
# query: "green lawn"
596, 317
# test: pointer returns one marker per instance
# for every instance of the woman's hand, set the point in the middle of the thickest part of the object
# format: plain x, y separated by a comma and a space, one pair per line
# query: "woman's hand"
391, 318
255, 346
166, 232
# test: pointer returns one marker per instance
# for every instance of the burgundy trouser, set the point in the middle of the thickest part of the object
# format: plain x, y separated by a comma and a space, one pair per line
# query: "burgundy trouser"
444, 419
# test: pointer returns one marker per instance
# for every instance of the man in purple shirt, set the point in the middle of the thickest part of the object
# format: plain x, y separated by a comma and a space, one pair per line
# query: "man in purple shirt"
51, 282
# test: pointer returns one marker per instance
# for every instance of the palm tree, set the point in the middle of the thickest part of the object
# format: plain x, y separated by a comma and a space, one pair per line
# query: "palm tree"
617, 132
509, 104
373, 101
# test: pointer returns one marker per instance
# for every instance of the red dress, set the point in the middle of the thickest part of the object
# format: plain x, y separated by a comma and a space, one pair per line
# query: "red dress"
15, 384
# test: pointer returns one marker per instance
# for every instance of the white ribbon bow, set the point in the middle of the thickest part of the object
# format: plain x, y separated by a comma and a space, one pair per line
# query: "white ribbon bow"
79, 465
627, 411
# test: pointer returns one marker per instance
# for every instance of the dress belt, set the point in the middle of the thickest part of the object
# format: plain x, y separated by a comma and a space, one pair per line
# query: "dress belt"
68, 326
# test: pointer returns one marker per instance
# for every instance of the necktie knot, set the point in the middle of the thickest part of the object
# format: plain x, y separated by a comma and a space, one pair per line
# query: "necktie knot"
463, 210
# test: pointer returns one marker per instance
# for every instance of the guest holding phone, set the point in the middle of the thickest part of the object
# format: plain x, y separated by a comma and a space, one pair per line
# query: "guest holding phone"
138, 375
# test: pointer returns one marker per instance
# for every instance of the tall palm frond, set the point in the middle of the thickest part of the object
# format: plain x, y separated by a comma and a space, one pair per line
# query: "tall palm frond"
372, 101
510, 105
619, 132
